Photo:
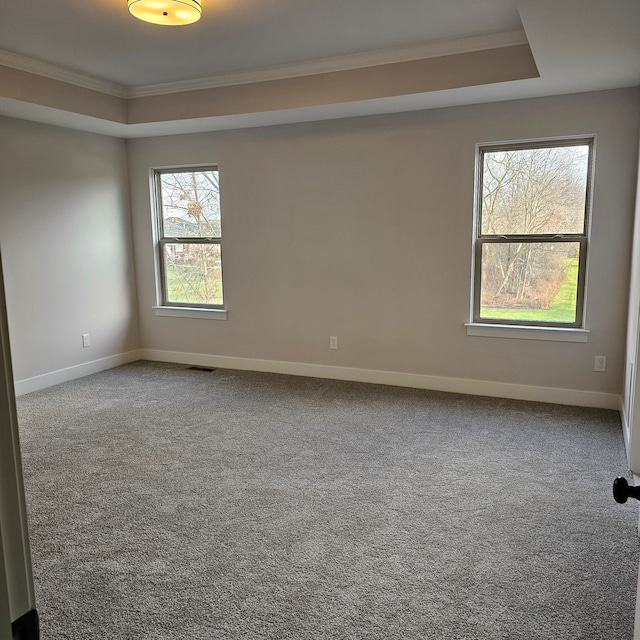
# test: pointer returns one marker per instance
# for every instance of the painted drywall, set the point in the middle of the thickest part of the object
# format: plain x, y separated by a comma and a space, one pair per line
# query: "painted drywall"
337, 87
362, 229
65, 235
34, 88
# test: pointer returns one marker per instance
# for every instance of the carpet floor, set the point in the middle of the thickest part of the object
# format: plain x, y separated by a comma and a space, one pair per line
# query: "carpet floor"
169, 503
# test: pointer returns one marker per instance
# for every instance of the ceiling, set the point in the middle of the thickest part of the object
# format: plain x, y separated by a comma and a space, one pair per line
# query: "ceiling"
100, 38
51, 51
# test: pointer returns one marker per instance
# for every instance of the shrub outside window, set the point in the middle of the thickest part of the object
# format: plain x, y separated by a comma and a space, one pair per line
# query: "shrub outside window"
189, 237
531, 232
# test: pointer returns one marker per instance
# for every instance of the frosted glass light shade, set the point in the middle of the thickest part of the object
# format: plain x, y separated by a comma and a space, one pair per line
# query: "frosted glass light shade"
169, 12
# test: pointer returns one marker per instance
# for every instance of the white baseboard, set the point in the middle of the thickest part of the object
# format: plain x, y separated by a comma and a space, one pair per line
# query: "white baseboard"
394, 378
78, 371
436, 383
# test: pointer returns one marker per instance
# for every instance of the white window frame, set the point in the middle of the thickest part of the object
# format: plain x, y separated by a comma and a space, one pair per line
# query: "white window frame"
166, 307
530, 329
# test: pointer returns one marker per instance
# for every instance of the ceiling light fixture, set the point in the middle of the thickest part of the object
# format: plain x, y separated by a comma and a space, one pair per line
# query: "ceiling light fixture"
169, 12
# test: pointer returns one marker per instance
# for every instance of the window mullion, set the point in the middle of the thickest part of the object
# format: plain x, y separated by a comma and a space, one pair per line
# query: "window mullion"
530, 237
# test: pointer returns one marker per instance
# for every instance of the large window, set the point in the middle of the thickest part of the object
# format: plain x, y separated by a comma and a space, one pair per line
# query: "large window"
531, 233
189, 237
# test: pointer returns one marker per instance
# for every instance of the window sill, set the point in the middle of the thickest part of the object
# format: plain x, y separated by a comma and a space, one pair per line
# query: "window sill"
191, 312
523, 332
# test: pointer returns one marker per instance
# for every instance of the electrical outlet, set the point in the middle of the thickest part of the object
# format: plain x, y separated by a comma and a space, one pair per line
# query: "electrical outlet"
333, 342
600, 363
86, 340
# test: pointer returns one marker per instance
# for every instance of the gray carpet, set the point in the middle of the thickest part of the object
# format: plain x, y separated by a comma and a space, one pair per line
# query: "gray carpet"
167, 503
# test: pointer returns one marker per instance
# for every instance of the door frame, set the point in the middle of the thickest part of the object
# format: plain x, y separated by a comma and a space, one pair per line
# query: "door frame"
18, 616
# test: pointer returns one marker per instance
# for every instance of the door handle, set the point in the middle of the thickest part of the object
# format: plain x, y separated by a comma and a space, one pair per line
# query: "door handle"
622, 490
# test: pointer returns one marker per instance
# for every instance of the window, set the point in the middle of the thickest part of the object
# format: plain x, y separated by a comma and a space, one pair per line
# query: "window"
532, 204
189, 237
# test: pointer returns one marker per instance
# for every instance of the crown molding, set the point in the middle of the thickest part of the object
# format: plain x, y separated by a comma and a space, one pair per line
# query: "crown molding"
312, 67
62, 74
338, 63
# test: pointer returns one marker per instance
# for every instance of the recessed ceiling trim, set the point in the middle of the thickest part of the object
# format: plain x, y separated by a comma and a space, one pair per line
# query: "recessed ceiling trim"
338, 63
313, 67
54, 72
488, 66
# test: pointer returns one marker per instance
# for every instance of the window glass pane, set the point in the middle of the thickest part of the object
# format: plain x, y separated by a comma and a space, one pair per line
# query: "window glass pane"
193, 273
534, 191
535, 281
190, 204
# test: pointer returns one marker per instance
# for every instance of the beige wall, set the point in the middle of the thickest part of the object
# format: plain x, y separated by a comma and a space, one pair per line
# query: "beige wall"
362, 229
358, 228
65, 236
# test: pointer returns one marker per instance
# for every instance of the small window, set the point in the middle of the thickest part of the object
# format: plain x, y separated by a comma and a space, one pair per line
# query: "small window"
189, 237
532, 203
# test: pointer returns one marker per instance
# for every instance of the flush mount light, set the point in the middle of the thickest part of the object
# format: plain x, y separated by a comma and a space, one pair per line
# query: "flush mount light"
169, 12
